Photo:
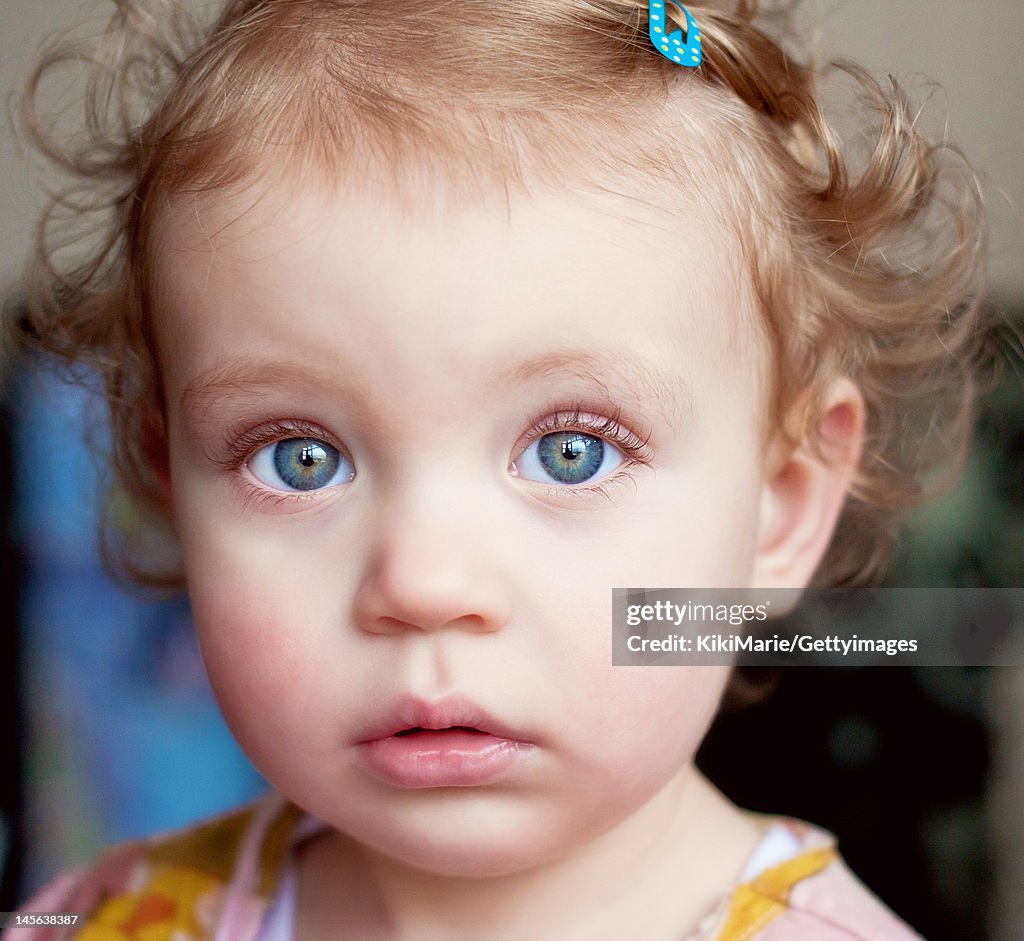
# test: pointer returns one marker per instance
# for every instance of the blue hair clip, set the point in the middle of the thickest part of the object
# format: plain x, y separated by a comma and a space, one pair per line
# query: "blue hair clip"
673, 47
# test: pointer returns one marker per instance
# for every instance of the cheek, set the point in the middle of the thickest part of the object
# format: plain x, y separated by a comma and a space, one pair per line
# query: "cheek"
672, 539
258, 604
260, 646
639, 724
253, 671
695, 526
656, 707
242, 645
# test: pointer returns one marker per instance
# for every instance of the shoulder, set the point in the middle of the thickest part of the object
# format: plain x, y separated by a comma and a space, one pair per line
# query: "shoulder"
834, 905
173, 883
812, 896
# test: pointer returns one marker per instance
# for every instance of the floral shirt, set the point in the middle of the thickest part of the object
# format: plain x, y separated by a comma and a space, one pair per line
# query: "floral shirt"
221, 880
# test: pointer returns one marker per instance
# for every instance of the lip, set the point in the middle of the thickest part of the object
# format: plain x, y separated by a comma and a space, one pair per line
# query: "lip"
456, 744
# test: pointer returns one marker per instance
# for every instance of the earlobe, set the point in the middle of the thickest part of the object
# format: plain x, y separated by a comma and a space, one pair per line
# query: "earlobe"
803, 494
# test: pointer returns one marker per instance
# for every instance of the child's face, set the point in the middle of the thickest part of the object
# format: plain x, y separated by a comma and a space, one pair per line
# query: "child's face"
442, 547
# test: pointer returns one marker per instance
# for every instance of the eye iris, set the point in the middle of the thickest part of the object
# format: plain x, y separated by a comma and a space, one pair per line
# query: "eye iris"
570, 456
305, 463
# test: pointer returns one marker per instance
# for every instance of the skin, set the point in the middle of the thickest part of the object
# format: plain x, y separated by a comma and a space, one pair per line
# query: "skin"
442, 567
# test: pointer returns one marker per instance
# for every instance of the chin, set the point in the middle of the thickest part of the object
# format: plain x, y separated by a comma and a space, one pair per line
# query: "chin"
467, 842
471, 858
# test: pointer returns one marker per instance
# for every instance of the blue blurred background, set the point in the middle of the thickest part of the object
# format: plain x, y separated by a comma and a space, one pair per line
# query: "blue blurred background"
123, 736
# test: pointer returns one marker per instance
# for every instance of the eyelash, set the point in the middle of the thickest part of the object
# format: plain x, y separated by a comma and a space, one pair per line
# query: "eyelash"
633, 446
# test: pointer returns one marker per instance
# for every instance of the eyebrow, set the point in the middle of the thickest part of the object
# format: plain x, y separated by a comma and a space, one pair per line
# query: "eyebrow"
640, 381
617, 375
247, 376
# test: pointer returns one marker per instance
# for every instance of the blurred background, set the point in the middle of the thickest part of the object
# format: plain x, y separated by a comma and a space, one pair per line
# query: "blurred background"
108, 724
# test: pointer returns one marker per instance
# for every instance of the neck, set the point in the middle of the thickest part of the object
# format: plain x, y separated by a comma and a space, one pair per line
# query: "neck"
666, 867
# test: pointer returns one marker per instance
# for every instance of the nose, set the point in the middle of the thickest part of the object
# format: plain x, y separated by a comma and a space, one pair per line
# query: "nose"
431, 570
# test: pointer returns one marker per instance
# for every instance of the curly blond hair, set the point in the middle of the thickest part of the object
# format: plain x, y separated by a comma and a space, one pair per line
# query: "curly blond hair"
868, 266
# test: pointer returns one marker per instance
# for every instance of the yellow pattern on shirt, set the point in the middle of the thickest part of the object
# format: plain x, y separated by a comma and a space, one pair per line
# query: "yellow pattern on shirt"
765, 897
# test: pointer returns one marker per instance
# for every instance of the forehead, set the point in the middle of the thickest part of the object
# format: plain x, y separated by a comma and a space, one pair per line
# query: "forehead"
290, 214
300, 265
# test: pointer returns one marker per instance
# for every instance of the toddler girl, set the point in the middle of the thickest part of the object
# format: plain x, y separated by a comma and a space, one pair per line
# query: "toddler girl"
426, 325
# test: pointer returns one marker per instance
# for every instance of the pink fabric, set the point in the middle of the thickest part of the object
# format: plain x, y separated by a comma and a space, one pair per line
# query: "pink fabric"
77, 890
239, 918
834, 905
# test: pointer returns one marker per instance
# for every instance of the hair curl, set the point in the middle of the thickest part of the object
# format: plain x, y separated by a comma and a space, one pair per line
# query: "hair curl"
874, 272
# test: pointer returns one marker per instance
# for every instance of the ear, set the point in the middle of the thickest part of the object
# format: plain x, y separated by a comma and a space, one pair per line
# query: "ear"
803, 495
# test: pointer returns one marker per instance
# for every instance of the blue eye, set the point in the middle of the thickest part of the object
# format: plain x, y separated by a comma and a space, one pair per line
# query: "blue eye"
568, 458
300, 464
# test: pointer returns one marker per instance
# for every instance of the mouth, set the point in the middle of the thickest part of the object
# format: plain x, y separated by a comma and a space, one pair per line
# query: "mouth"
411, 716
402, 733
451, 743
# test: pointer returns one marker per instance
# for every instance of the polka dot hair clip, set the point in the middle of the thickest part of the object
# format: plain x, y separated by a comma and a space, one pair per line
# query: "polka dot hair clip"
672, 46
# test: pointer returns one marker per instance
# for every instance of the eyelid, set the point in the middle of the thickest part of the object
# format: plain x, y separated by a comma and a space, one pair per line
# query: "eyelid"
636, 447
